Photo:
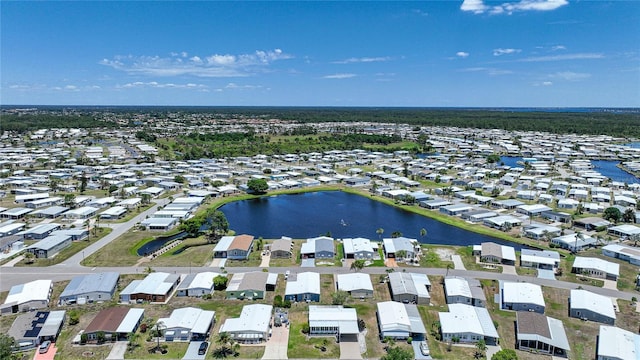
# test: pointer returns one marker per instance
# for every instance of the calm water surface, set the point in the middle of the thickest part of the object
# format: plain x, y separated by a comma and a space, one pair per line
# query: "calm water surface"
341, 214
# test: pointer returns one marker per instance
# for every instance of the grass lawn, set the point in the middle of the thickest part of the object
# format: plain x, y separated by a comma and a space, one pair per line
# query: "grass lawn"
526, 271
567, 263
367, 312
628, 272
254, 259
469, 261
194, 251
439, 349
64, 254
327, 287
120, 251
175, 350
295, 256
504, 320
431, 259
302, 346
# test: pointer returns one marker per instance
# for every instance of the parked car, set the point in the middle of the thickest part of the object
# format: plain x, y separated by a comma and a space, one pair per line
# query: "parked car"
203, 348
424, 348
44, 347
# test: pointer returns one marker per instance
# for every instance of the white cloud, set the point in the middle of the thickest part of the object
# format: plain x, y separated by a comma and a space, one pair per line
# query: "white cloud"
236, 86
500, 52
216, 65
479, 7
558, 47
363, 60
339, 76
157, 85
462, 54
564, 57
420, 12
547, 83
488, 71
570, 76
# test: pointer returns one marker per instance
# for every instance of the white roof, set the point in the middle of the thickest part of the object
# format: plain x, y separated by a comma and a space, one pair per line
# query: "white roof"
115, 211
224, 243
522, 293
628, 251
203, 280
194, 319
37, 290
395, 316
457, 286
547, 257
627, 229
352, 246
616, 343
357, 281
157, 283
130, 321
305, 283
346, 319
583, 299
597, 264
409, 283
463, 318
254, 318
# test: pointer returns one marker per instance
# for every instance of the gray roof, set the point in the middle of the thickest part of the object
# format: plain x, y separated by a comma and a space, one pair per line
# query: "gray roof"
409, 283
324, 245
50, 242
99, 282
248, 281
534, 326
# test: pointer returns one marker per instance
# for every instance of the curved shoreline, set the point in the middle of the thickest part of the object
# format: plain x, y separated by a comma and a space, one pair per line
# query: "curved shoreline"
478, 229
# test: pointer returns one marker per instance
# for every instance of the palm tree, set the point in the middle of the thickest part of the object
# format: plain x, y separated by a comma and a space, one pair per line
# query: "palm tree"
423, 232
449, 266
396, 234
159, 328
380, 231
357, 265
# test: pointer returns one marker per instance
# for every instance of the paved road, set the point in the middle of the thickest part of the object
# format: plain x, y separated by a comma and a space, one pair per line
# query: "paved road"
19, 275
118, 230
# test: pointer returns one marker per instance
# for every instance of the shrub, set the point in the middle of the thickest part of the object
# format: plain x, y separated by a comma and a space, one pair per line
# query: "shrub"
305, 328
409, 340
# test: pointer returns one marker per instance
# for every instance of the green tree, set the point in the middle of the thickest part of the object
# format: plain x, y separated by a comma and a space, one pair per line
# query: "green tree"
179, 179
83, 184
339, 297
226, 346
423, 232
29, 257
505, 354
612, 214
397, 353
357, 265
145, 198
6, 346
380, 231
493, 158
396, 234
112, 189
629, 215
401, 254
481, 348
69, 200
220, 282
257, 186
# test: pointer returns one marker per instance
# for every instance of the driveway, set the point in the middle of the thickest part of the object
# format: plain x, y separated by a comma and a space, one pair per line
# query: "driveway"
276, 347
391, 262
610, 284
457, 262
192, 351
492, 349
49, 355
118, 350
265, 259
509, 269
350, 350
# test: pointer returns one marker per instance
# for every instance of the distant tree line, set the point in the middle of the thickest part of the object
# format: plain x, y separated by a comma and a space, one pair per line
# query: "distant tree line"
29, 122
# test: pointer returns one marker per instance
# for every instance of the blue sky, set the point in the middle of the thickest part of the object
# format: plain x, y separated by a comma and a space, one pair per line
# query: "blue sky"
542, 53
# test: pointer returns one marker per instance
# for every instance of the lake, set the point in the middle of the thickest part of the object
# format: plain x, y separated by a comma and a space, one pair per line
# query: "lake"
344, 215
610, 169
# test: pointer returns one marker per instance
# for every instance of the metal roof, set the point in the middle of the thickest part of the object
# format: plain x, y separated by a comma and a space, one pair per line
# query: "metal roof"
463, 318
193, 319
583, 299
253, 318
357, 281
98, 282
538, 327
616, 343
306, 283
522, 293
345, 319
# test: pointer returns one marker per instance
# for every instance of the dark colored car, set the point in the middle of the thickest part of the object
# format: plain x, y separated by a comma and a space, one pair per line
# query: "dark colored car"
203, 348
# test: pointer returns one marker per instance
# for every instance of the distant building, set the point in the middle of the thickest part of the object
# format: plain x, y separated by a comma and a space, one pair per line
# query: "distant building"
358, 285
198, 284
460, 290
156, 287
596, 267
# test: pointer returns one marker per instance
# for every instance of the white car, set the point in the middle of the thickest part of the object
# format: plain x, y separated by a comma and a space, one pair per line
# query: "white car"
424, 348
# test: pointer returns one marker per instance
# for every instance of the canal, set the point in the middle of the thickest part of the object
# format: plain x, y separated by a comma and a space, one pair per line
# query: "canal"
342, 215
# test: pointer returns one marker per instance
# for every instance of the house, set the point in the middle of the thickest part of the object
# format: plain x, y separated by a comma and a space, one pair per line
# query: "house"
358, 248
49, 246
50, 212
90, 288
502, 222
591, 223
333, 320
358, 285
556, 216
15, 213
574, 242
252, 327
541, 232
537, 259
626, 231
31, 329
460, 290
467, 324
9, 228
222, 247
198, 284
595, 267
400, 321
82, 213
156, 287
115, 323
281, 248
76, 234
540, 333
622, 252
614, 343
39, 231
532, 210
251, 285
240, 247
27, 296
159, 224
188, 324
113, 213
521, 296
318, 248
491, 252
401, 248
410, 288
586, 305
306, 287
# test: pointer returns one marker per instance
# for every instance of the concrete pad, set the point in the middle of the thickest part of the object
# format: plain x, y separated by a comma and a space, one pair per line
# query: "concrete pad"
192, 351
118, 350
509, 269
308, 263
546, 274
492, 349
14, 261
457, 262
391, 262
610, 284
276, 347
350, 350
49, 355
265, 260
